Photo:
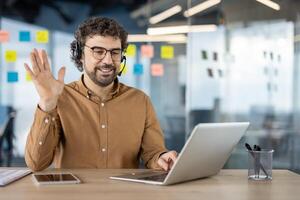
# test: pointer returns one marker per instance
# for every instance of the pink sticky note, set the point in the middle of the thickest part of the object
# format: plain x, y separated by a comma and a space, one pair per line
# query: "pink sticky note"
4, 36
147, 51
157, 69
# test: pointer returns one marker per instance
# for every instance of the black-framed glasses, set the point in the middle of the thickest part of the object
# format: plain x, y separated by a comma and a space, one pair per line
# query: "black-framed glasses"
100, 52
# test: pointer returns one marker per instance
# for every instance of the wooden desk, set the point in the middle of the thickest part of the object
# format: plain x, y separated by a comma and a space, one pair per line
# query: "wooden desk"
228, 184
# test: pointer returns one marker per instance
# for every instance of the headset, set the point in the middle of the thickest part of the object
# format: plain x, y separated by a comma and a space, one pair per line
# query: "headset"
78, 52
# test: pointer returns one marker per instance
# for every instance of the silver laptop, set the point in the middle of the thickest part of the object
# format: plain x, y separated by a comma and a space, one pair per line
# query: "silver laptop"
203, 155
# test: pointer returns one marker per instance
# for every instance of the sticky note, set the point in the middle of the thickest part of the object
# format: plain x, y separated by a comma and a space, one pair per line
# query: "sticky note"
28, 77
210, 73
147, 51
131, 50
167, 52
124, 70
215, 56
204, 55
42, 36
24, 36
10, 56
12, 77
138, 69
4, 36
157, 69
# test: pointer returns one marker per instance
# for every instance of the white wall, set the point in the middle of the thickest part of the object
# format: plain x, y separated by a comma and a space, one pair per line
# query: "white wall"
248, 79
21, 95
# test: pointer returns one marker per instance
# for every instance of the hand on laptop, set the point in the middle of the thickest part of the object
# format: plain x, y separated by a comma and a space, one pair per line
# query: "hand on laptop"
167, 160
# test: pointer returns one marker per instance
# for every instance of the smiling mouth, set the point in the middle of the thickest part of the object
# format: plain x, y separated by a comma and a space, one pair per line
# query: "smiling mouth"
106, 71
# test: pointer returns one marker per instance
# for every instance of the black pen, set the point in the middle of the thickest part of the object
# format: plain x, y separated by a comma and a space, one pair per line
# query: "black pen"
251, 152
257, 159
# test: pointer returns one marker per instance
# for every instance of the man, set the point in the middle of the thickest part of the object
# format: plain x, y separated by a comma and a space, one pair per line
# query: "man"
95, 122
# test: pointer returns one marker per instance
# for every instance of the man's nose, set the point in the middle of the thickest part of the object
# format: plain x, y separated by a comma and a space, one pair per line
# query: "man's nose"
107, 58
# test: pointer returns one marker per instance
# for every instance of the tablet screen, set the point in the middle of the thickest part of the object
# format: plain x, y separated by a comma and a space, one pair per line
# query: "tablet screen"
54, 177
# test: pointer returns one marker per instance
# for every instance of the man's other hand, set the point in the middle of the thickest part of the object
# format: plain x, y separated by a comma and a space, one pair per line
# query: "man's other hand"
167, 160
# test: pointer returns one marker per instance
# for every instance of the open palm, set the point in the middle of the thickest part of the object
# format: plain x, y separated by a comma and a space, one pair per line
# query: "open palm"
48, 88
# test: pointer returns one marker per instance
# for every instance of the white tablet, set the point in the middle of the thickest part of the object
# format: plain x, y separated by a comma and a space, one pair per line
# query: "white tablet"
55, 178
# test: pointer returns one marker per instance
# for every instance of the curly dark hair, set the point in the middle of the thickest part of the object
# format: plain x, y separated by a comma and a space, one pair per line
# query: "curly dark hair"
95, 26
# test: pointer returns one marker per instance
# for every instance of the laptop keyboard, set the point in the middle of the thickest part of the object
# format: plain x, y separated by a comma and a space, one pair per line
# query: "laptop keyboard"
158, 178
9, 175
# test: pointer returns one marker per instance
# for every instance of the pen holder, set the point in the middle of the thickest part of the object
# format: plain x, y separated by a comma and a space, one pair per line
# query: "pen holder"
260, 164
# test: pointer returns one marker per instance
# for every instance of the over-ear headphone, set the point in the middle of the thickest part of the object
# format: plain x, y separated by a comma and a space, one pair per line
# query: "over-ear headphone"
123, 59
77, 50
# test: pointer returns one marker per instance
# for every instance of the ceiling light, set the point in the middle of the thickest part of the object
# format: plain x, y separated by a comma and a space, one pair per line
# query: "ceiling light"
164, 15
181, 29
201, 7
270, 4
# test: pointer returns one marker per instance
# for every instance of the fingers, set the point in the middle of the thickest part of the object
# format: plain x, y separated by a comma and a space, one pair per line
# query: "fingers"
163, 164
38, 59
173, 155
61, 74
29, 71
34, 63
169, 158
45, 60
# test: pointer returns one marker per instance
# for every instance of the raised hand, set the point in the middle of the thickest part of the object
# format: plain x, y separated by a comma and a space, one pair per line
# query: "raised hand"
48, 88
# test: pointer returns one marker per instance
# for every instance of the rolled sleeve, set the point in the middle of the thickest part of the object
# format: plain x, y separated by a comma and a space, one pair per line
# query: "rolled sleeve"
153, 141
42, 139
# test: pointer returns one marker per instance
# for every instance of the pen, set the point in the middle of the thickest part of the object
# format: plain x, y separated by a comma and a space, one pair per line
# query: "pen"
252, 154
257, 159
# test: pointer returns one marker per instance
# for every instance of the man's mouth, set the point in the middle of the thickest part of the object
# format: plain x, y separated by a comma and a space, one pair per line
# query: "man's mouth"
106, 71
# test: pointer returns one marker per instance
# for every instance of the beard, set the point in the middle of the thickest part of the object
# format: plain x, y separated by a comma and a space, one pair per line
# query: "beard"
103, 75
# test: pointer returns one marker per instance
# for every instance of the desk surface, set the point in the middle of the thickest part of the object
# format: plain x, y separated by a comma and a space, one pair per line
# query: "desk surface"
228, 184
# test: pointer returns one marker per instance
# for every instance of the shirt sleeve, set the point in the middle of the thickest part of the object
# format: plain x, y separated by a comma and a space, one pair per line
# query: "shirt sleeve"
42, 140
153, 140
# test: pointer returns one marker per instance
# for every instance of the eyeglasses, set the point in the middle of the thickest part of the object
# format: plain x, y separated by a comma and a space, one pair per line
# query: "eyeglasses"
100, 52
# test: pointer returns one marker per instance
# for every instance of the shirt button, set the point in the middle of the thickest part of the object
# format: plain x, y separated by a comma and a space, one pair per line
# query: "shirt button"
103, 149
40, 143
102, 104
103, 126
46, 120
53, 119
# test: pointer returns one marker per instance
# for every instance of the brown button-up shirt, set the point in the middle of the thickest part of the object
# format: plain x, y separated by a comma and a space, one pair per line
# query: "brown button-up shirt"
85, 131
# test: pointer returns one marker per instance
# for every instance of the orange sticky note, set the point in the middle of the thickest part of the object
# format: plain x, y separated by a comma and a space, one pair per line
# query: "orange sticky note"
167, 52
42, 36
157, 69
147, 51
4, 36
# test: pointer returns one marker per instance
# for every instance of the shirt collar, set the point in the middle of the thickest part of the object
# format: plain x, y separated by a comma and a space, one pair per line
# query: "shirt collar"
90, 94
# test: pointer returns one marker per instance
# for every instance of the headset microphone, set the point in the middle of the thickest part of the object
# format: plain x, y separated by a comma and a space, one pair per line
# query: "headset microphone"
123, 59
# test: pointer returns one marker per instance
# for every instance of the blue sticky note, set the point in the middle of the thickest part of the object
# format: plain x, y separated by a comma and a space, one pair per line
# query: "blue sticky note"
12, 77
138, 69
24, 36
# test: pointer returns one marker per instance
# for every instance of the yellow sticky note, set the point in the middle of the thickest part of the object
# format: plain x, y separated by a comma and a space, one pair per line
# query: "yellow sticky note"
125, 68
28, 77
131, 50
42, 36
167, 52
10, 56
